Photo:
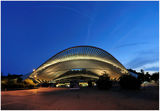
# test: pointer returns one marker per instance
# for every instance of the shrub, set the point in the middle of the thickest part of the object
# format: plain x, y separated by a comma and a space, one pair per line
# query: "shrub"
74, 84
104, 82
45, 84
129, 82
16, 83
71, 84
89, 83
29, 82
141, 77
155, 77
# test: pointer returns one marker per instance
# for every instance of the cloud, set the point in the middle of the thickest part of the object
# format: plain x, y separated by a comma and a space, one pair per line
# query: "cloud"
141, 61
146, 59
131, 44
75, 10
152, 69
149, 52
149, 67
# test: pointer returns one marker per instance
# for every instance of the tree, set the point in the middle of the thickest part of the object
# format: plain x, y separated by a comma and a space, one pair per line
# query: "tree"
142, 71
147, 77
104, 82
129, 82
19, 80
155, 77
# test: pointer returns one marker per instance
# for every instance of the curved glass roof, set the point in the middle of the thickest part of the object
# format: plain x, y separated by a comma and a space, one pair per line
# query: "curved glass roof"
91, 58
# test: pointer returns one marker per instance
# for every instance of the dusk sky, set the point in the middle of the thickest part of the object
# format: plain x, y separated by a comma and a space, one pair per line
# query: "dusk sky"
32, 32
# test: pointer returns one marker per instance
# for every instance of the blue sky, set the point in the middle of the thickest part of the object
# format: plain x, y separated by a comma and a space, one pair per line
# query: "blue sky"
32, 32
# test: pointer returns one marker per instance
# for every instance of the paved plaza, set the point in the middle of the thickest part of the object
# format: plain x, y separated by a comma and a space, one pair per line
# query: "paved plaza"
79, 99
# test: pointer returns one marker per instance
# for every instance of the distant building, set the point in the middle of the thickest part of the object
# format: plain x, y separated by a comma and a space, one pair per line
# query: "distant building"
133, 74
